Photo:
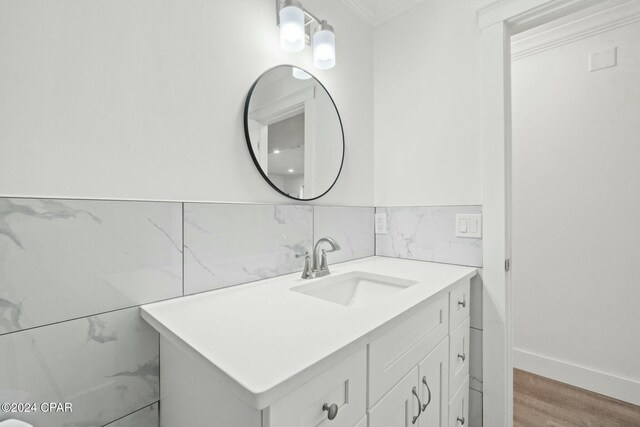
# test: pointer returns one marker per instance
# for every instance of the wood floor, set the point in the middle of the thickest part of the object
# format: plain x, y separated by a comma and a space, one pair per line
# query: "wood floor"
541, 402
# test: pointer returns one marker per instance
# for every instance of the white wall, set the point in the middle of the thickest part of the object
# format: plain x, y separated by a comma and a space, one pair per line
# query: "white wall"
576, 204
427, 106
143, 99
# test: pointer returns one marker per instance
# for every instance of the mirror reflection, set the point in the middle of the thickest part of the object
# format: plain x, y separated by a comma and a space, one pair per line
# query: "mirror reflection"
294, 133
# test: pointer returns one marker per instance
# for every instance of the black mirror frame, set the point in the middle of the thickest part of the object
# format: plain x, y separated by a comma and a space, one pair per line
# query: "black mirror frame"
248, 137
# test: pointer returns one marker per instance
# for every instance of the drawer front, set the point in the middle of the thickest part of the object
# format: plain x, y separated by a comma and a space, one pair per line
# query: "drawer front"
459, 407
459, 356
394, 354
460, 298
344, 385
398, 407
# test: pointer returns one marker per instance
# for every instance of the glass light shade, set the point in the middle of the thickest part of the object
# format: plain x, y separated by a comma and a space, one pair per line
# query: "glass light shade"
324, 47
292, 36
300, 74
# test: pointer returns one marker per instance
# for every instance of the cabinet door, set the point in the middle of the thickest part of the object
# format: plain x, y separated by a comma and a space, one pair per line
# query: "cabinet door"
393, 354
434, 386
398, 407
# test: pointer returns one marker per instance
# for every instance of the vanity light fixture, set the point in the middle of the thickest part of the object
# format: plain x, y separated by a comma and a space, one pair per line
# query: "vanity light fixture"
276, 151
291, 18
291, 171
324, 47
299, 27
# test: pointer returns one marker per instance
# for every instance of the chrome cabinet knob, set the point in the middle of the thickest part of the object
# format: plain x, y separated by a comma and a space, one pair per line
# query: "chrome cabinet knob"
462, 303
462, 356
332, 410
461, 421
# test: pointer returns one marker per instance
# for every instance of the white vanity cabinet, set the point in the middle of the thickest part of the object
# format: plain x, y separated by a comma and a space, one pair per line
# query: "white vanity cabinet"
401, 363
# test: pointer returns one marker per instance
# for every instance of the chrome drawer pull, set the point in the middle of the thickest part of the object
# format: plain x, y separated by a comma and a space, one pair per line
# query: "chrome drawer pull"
461, 421
415, 393
462, 356
424, 381
462, 303
332, 410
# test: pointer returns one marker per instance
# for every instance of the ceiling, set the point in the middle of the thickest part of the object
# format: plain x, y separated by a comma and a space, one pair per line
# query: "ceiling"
375, 12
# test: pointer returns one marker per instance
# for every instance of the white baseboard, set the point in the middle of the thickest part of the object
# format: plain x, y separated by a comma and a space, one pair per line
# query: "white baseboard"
610, 385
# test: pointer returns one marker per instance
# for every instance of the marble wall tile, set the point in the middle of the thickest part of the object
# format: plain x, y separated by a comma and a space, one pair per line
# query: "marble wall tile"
229, 244
475, 408
106, 366
145, 417
428, 234
64, 259
351, 227
475, 362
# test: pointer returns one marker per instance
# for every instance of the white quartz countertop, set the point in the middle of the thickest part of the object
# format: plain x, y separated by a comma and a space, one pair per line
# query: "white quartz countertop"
263, 340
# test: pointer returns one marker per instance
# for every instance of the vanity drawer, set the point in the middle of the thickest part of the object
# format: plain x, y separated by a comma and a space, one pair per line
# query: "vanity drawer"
459, 406
459, 356
459, 303
344, 385
394, 354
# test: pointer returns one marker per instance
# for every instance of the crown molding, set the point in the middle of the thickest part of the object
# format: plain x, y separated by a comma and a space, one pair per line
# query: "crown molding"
377, 16
394, 9
362, 11
563, 33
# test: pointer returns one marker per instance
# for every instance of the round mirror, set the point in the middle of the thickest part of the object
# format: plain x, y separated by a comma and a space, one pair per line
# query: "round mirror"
294, 133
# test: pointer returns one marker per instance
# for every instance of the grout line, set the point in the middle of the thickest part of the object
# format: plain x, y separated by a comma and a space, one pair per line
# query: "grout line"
73, 319
130, 413
435, 262
204, 202
375, 236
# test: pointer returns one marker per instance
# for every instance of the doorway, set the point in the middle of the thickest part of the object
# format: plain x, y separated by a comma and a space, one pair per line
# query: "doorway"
575, 100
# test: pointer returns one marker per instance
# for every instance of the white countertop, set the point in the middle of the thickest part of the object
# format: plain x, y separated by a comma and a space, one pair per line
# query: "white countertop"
264, 340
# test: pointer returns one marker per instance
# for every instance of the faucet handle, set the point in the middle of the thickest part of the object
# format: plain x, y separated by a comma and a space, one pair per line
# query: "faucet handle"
323, 261
307, 272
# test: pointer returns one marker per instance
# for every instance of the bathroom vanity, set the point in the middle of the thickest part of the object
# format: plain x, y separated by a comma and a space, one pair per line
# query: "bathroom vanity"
381, 342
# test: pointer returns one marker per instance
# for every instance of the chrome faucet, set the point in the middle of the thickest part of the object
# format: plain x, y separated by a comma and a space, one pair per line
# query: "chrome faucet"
318, 266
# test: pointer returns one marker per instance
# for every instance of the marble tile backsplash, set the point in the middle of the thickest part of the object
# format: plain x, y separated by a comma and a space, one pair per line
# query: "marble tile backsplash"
64, 259
106, 366
428, 234
73, 273
351, 227
229, 244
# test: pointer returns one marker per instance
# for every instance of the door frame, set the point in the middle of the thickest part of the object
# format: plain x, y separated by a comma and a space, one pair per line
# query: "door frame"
497, 22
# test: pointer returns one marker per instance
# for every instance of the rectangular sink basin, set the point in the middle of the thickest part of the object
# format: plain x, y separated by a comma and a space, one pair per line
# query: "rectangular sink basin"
354, 289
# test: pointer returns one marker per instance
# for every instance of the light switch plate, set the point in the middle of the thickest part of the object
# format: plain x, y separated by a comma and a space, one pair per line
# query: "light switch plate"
469, 225
381, 223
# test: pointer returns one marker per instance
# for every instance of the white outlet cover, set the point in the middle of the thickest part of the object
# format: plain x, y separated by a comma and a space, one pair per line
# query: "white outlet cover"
381, 223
